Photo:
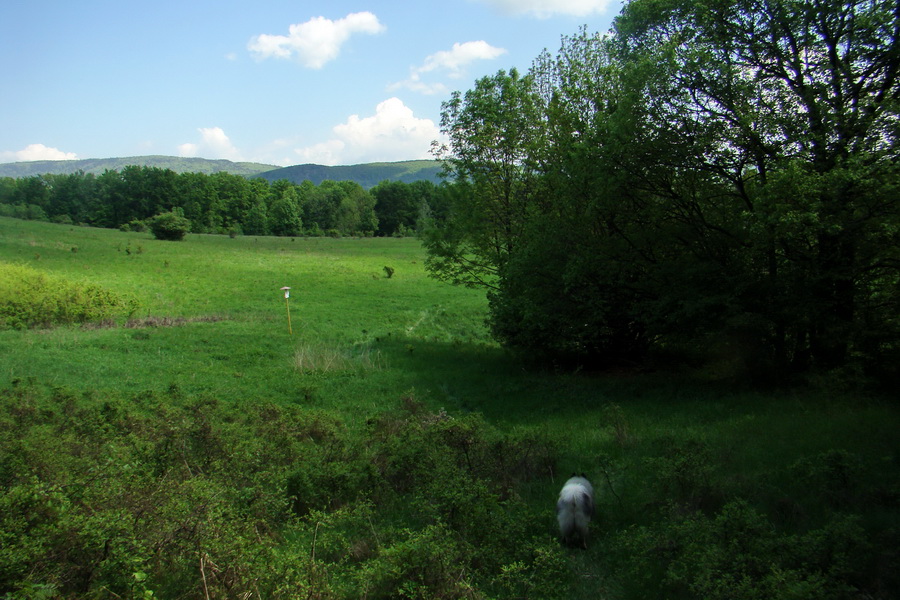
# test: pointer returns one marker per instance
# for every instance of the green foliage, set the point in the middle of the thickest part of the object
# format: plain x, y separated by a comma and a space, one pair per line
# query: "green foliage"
31, 298
29, 212
738, 554
130, 495
283, 208
684, 473
167, 495
172, 226
836, 474
423, 565
256, 221
183, 496
135, 225
703, 174
398, 204
559, 304
543, 574
492, 139
218, 202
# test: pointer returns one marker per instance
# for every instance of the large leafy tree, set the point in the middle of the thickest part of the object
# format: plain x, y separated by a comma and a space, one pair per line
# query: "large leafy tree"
34, 190
723, 169
147, 191
284, 210
70, 196
572, 289
111, 206
783, 114
493, 131
397, 206
355, 210
199, 199
234, 196
256, 221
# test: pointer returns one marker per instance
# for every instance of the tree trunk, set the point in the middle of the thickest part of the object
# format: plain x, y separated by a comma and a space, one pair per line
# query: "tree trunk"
833, 315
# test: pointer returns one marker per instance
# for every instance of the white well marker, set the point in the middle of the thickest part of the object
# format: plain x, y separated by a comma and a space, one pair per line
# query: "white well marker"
287, 294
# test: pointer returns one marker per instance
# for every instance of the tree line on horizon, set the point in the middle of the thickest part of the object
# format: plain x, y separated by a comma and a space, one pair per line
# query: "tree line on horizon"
223, 202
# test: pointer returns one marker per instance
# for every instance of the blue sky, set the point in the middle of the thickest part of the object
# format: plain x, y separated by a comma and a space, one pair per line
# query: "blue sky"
276, 82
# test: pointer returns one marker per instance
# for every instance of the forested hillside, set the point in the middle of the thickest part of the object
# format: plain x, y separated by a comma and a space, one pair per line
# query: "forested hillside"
367, 175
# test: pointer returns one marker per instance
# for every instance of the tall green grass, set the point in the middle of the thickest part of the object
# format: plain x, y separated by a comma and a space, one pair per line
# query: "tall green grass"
674, 458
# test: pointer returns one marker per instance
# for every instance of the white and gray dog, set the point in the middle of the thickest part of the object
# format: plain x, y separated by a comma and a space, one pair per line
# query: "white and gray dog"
574, 510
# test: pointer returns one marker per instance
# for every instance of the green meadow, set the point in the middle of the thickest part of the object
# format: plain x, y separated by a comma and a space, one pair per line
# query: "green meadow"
212, 318
195, 442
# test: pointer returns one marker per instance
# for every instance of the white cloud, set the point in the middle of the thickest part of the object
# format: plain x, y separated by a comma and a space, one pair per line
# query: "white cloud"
325, 153
33, 152
543, 9
213, 144
316, 41
393, 133
415, 84
188, 150
452, 62
460, 56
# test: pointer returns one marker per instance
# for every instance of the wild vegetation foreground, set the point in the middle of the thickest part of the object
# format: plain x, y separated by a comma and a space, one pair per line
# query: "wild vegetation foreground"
185, 443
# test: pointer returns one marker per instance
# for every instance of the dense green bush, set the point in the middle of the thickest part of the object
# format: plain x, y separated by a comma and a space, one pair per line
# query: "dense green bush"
817, 528
170, 225
29, 212
30, 298
135, 225
738, 554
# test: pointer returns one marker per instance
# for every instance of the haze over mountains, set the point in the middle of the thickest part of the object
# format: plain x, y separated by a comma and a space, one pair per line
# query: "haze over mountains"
367, 175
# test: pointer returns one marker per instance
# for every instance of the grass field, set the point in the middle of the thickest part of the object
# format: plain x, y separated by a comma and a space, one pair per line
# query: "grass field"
675, 459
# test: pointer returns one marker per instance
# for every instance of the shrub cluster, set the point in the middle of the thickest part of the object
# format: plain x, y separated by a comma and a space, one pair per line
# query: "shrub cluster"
170, 225
165, 496
711, 538
30, 298
29, 212
738, 554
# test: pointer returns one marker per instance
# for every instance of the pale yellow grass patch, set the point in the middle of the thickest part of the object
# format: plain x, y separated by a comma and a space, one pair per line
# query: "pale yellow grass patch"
326, 358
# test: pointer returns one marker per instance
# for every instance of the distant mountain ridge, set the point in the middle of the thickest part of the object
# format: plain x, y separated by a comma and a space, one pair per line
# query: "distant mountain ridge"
98, 165
366, 175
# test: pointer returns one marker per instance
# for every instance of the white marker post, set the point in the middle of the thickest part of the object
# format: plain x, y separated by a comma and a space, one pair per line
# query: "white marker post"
287, 294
